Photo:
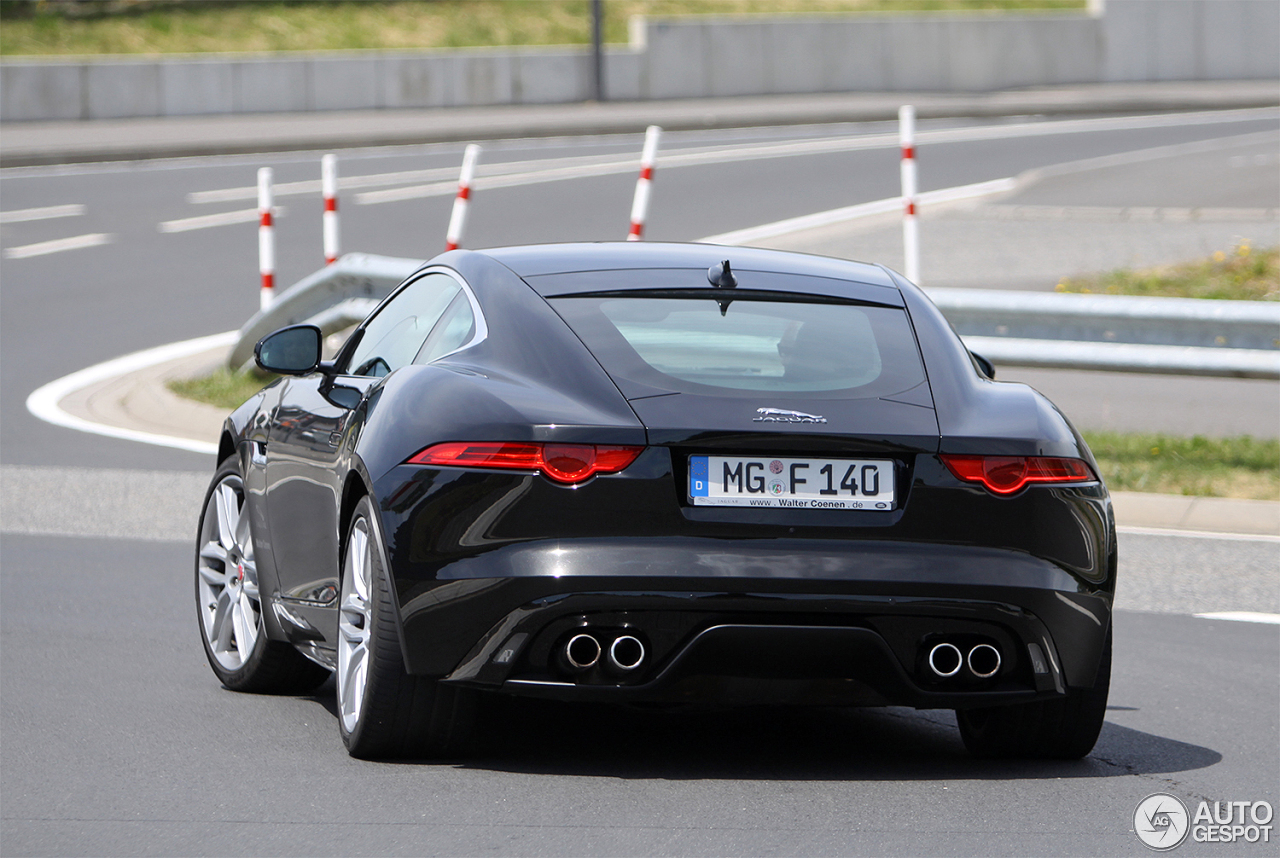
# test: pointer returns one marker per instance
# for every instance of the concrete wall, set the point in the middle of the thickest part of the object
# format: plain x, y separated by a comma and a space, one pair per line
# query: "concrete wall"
1190, 40
115, 88
1121, 40
717, 57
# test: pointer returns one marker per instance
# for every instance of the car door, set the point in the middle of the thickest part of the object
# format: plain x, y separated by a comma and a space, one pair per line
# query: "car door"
303, 473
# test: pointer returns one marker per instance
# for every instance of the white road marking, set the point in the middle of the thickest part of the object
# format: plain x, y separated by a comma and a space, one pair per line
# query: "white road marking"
45, 213
312, 186
840, 215
1242, 617
43, 402
534, 171
58, 245
187, 224
1138, 156
1198, 534
981, 189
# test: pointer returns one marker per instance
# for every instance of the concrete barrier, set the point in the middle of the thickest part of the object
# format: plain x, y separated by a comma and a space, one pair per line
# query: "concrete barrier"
1115, 41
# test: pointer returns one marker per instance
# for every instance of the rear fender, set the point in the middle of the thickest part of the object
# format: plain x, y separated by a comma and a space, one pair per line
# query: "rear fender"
975, 414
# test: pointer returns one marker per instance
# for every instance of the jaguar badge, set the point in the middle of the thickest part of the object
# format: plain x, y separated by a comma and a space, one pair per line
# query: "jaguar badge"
780, 415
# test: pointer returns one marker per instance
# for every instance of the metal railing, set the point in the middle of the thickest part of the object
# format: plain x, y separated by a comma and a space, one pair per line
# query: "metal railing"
1183, 336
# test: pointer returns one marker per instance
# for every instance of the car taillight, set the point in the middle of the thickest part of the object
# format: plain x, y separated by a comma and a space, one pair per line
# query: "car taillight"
1005, 475
564, 463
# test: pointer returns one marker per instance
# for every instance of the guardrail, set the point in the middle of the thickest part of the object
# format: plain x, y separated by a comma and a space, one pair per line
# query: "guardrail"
335, 297
1101, 332
1185, 336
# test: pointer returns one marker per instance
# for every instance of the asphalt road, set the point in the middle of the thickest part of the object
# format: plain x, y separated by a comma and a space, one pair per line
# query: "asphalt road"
118, 740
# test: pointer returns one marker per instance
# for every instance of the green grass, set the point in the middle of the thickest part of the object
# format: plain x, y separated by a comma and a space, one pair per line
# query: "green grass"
1240, 467
223, 388
1242, 273
139, 26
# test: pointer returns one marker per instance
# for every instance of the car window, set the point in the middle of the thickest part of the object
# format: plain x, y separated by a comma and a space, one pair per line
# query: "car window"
702, 346
455, 328
394, 336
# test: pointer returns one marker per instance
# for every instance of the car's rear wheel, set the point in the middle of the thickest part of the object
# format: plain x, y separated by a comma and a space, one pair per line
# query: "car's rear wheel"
382, 710
230, 605
1065, 728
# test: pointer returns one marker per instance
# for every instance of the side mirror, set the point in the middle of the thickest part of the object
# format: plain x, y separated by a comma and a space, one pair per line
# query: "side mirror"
294, 350
985, 366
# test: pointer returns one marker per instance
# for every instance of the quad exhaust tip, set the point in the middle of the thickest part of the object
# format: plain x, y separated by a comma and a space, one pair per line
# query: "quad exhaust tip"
984, 661
582, 651
626, 653
945, 660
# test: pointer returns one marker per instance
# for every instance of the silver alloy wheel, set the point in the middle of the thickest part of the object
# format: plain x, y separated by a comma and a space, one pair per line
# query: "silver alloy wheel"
230, 607
354, 614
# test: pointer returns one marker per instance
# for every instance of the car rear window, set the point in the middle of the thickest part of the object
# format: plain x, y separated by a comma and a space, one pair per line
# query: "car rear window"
701, 345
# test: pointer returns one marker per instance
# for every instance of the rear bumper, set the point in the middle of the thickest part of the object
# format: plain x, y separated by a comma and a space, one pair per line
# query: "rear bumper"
846, 628
720, 648
822, 609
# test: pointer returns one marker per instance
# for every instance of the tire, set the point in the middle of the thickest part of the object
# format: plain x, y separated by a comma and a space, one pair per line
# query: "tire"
228, 602
1064, 728
382, 710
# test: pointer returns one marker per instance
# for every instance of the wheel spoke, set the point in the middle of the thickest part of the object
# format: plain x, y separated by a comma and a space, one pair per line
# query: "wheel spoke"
359, 551
247, 629
242, 535
228, 515
354, 620
249, 583
351, 686
213, 577
214, 551
220, 628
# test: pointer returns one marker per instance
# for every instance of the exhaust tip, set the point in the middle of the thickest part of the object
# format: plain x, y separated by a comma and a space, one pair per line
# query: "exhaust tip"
582, 651
945, 660
984, 661
626, 653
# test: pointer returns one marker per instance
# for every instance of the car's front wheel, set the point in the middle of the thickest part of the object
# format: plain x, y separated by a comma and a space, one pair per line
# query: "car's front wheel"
1065, 728
230, 605
382, 710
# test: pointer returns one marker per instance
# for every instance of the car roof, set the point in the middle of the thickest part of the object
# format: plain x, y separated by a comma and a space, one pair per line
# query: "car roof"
533, 261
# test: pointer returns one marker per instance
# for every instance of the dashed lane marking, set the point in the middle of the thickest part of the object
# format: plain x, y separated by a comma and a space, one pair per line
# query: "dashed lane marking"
43, 213
1198, 534
187, 224
58, 245
1242, 617
539, 170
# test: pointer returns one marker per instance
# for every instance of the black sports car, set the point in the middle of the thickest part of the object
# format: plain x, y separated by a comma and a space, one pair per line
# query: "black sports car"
660, 473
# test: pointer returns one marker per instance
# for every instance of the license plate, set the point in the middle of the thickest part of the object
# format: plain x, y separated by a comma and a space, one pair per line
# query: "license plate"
809, 483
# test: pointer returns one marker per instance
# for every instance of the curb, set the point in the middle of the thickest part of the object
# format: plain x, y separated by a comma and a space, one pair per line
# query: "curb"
127, 398
86, 141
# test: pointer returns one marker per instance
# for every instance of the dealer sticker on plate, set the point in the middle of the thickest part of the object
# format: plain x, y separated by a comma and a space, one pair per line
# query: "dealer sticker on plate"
800, 483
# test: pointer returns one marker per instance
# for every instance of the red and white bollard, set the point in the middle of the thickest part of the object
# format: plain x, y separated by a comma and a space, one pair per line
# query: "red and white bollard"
910, 232
640, 205
458, 220
266, 239
329, 187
